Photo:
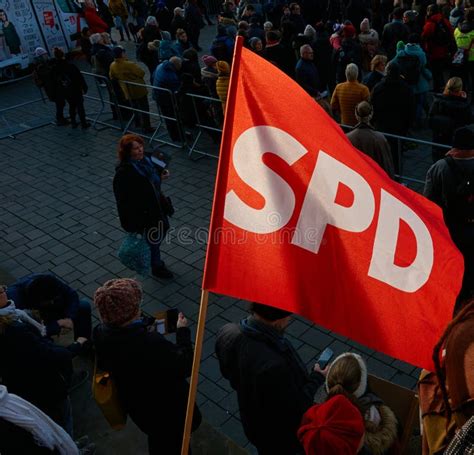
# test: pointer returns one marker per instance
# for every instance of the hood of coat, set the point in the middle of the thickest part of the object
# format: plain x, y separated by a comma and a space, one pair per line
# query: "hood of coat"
379, 438
413, 49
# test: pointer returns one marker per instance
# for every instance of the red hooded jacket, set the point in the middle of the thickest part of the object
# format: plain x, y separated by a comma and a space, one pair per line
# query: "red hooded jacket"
94, 22
435, 51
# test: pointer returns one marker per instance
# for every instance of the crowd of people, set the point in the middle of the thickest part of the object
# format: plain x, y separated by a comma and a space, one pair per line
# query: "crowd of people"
373, 65
281, 405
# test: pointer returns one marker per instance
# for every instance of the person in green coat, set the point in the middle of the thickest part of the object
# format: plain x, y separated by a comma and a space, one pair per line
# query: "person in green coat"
8, 32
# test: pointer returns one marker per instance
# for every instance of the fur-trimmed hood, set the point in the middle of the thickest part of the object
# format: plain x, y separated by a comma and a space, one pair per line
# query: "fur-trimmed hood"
379, 438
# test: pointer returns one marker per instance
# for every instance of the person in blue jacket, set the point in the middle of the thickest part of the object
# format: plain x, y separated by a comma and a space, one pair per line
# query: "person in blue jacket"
420, 83
166, 76
306, 71
58, 304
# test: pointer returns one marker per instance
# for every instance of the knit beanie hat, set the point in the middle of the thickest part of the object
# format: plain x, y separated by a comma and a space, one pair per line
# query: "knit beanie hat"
268, 312
39, 51
223, 68
309, 31
464, 138
349, 31
410, 15
400, 46
208, 60
365, 25
118, 301
253, 42
335, 427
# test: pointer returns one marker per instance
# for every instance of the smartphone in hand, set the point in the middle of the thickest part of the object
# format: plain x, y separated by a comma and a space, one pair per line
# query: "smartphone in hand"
324, 358
172, 320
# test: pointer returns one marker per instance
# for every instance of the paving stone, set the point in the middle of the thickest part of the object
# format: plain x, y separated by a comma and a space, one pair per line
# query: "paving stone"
211, 390
316, 338
214, 414
339, 348
380, 369
210, 369
404, 380
57, 212
233, 429
230, 403
403, 366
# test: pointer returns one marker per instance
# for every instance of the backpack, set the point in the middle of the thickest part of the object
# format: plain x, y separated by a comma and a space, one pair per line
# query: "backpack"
460, 208
442, 36
410, 68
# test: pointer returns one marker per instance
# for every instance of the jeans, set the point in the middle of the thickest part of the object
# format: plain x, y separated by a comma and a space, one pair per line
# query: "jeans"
165, 106
154, 239
141, 118
60, 103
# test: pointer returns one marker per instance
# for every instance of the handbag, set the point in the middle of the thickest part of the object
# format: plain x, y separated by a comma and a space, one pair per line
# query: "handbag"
105, 395
134, 253
166, 205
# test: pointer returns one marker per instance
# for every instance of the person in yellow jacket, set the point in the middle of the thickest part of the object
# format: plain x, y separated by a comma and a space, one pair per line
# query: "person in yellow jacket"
464, 36
118, 9
222, 84
123, 71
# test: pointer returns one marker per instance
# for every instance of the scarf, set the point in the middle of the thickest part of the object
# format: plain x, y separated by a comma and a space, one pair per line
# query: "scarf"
146, 169
20, 315
45, 432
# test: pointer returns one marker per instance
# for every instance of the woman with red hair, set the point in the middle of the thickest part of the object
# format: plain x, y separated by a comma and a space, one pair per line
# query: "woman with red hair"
141, 206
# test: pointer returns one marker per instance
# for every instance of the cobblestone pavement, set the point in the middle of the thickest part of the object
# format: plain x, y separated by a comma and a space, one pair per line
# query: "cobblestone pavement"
58, 214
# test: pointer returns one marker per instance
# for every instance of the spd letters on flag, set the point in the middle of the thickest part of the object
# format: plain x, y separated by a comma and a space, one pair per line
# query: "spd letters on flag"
305, 222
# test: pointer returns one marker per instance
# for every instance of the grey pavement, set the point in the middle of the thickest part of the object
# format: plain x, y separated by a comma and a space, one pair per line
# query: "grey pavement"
58, 214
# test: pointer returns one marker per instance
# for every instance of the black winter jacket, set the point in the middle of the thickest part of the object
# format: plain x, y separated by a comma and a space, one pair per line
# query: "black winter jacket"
273, 387
69, 81
447, 114
394, 107
150, 374
33, 367
138, 204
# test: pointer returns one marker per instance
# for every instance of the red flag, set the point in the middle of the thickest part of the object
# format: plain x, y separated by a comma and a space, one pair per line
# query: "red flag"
305, 222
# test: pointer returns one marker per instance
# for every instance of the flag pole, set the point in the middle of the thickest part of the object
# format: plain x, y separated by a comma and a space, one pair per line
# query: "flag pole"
195, 372
205, 292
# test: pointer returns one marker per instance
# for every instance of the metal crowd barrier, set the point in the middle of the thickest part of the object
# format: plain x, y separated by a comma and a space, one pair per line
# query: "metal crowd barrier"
104, 85
103, 94
17, 119
200, 123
